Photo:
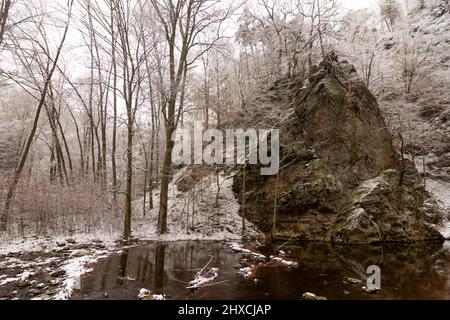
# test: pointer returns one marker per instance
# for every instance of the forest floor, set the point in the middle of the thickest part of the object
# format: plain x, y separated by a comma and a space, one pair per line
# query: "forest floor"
423, 124
194, 214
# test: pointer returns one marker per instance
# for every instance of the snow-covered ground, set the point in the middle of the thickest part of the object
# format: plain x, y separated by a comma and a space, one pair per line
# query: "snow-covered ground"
193, 215
441, 191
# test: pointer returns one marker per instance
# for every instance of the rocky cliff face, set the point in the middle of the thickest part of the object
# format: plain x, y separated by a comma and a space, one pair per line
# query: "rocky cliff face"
341, 178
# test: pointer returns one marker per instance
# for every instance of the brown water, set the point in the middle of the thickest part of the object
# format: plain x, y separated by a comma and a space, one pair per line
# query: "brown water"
419, 271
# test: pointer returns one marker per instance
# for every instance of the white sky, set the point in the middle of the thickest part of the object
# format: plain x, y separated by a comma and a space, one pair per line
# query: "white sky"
359, 4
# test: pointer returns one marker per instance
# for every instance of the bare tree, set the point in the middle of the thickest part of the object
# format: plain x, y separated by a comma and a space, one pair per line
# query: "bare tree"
412, 59
181, 23
390, 12
5, 6
52, 63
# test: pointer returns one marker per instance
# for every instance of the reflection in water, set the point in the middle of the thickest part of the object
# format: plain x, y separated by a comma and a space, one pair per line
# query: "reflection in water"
123, 264
159, 266
417, 271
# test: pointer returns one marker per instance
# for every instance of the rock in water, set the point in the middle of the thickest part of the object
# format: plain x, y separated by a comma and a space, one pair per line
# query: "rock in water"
382, 211
308, 296
370, 290
342, 181
144, 293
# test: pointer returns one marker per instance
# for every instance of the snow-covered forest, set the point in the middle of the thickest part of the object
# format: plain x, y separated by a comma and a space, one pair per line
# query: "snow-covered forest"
92, 91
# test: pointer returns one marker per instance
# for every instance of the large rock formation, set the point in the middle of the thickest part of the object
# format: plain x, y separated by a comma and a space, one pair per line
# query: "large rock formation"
341, 178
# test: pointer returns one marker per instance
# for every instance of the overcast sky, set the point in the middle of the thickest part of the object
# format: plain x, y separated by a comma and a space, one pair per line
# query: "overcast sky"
357, 4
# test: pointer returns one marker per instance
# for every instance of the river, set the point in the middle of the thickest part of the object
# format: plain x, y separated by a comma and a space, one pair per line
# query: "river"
415, 271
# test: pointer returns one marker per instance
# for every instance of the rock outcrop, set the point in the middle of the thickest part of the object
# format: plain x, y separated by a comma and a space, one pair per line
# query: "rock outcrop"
341, 179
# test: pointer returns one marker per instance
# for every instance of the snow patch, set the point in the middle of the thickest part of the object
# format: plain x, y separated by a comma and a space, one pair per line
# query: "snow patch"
246, 272
195, 215
145, 294
8, 280
288, 263
238, 248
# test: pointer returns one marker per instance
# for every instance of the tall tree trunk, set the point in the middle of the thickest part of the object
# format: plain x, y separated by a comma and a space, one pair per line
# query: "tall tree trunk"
4, 13
114, 131
129, 182
165, 180
244, 204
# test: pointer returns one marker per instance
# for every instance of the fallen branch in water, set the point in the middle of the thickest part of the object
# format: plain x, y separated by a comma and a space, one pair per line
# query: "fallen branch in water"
279, 248
201, 279
213, 284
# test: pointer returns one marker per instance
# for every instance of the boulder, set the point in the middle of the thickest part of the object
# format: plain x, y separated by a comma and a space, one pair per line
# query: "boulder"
342, 179
378, 215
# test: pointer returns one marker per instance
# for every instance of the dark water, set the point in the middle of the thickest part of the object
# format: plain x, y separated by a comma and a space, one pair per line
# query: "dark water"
419, 271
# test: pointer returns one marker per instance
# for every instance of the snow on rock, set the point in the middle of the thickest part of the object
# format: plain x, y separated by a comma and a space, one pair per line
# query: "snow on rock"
238, 248
25, 275
308, 296
246, 272
145, 294
8, 280
288, 263
46, 244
